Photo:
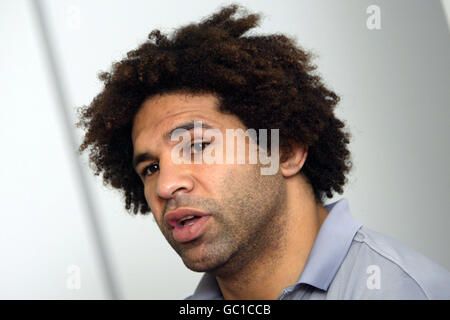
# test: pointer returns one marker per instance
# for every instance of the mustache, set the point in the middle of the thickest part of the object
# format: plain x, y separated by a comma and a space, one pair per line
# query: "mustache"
203, 204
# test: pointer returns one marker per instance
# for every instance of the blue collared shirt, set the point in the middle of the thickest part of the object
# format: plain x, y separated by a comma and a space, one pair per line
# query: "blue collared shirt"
350, 261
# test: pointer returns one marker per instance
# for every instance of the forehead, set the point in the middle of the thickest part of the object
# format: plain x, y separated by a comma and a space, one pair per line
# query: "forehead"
159, 112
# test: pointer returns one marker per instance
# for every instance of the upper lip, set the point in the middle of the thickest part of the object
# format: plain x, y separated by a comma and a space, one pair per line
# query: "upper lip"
172, 217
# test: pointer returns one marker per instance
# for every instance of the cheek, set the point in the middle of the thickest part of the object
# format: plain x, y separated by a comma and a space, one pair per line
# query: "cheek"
150, 196
209, 177
147, 192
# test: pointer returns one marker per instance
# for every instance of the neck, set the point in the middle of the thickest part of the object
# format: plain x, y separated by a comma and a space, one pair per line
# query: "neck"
282, 264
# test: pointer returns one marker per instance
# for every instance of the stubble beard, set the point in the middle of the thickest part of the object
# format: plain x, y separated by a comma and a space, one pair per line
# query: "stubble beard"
246, 224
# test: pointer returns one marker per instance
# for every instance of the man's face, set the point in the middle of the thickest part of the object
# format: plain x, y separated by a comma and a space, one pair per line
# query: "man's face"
241, 209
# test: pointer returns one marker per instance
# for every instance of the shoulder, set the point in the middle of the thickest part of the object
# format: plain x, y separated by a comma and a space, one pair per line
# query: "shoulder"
380, 267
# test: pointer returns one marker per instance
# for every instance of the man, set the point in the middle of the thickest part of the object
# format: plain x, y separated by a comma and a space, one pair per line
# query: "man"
256, 233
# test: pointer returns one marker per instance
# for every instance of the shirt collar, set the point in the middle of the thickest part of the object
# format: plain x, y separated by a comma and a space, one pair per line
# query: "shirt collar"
331, 246
327, 254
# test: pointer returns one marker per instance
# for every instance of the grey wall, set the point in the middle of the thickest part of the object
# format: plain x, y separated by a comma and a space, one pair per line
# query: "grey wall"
394, 84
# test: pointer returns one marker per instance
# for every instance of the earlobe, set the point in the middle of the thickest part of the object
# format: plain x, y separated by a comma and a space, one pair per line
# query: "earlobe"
292, 161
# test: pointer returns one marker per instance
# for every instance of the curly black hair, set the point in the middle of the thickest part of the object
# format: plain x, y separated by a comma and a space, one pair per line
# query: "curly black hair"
267, 81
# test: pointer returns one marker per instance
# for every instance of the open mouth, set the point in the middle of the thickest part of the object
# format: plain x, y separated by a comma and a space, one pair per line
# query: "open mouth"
189, 228
187, 221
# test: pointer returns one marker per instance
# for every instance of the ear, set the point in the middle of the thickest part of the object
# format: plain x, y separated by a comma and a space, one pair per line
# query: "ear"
291, 161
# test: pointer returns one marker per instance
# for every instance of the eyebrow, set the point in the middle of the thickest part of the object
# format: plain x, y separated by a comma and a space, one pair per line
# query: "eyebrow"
144, 156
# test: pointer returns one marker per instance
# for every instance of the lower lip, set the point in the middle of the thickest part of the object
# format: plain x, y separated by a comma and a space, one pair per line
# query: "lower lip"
189, 233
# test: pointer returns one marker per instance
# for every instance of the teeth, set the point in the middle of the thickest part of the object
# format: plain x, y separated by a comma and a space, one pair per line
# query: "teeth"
186, 218
189, 224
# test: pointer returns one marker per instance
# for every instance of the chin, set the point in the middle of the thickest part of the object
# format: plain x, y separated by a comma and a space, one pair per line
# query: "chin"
204, 264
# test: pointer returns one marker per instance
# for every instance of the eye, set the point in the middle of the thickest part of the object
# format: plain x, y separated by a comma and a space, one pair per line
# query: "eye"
199, 146
150, 169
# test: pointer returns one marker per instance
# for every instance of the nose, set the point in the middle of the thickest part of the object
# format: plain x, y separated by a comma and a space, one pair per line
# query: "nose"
173, 178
